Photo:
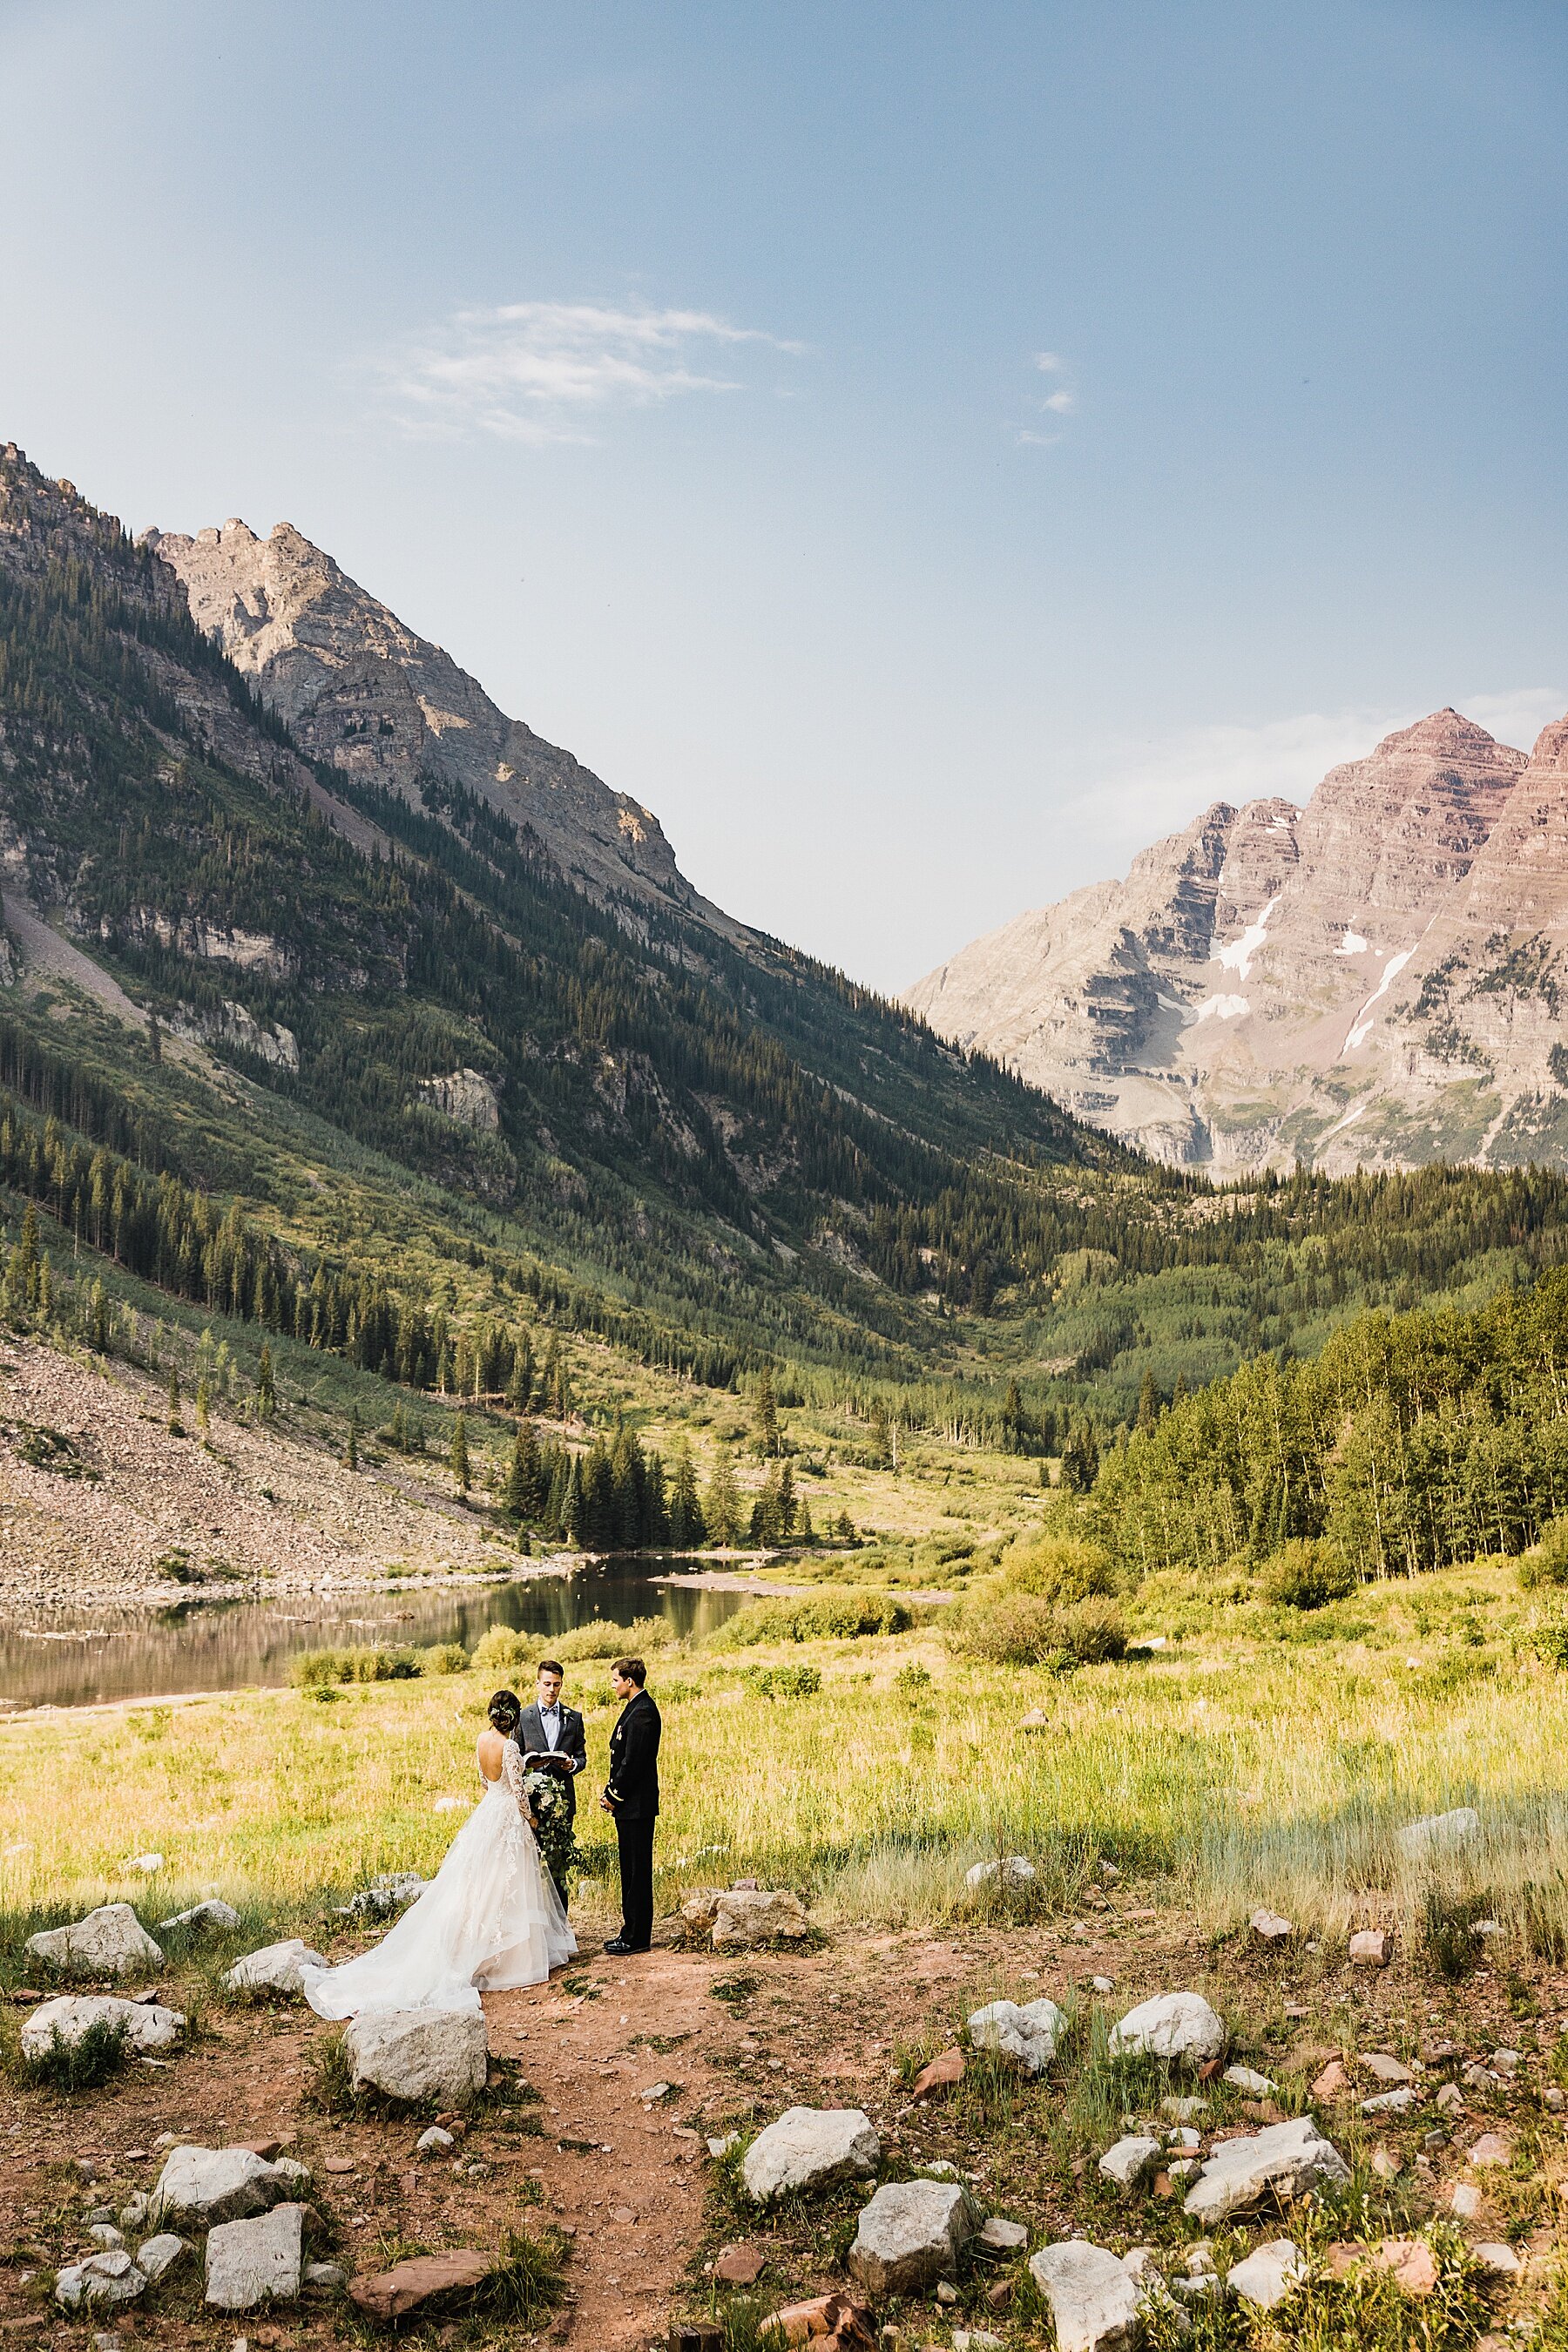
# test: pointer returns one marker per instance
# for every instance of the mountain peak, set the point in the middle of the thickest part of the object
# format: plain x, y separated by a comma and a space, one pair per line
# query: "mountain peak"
1445, 734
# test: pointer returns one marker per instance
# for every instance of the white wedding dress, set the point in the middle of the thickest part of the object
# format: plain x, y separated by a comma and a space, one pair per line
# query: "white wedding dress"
490, 1919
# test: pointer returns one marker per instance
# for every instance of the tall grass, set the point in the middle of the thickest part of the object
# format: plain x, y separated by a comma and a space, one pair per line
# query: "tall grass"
1240, 1766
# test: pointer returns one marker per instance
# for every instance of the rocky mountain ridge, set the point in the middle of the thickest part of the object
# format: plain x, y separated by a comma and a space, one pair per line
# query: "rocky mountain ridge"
1372, 980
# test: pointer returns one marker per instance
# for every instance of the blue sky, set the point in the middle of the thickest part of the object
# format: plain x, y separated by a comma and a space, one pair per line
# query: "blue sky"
923, 452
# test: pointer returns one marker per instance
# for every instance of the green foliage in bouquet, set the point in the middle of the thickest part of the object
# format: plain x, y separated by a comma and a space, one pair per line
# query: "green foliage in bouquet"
552, 1825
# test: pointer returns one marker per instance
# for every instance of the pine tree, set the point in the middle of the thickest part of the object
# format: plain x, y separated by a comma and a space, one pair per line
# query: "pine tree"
266, 1395
721, 1506
765, 1415
1148, 1405
786, 1503
524, 1495
686, 1524
458, 1458
805, 1532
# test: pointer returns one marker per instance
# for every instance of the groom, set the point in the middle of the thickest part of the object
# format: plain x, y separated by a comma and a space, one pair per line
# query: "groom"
631, 1795
553, 1733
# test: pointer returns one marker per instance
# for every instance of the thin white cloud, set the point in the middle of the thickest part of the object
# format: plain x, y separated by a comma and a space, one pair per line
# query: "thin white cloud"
550, 371
1048, 363
1061, 402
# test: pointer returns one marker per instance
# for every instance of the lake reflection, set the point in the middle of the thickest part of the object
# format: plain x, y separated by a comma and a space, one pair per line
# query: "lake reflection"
71, 1658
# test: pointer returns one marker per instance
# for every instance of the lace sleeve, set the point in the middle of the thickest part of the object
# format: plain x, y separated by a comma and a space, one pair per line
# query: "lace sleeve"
511, 1769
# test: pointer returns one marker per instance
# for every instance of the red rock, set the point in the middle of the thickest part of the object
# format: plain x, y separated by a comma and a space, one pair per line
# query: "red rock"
1163, 2185
268, 2150
340, 2164
827, 2321
944, 2070
1492, 2148
739, 2265
408, 2286
1411, 2262
1332, 2082
1372, 1948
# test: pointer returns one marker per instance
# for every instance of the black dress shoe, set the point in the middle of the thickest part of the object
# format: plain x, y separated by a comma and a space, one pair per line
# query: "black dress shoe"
619, 1947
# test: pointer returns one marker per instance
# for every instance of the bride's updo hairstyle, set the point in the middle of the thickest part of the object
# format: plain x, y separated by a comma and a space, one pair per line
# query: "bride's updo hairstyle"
506, 1712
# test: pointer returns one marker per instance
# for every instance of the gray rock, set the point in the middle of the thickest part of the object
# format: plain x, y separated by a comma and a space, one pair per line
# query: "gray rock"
108, 1942
1011, 1870
103, 2280
98, 2213
1284, 2160
909, 2235
1129, 2160
221, 2184
1436, 1833
1466, 2200
1095, 2305
1028, 2033
1384, 2065
202, 1918
1271, 1927
414, 2054
1184, 2111
133, 2214
999, 2237
71, 2016
1172, 2025
255, 2261
1268, 2273
433, 2142
104, 2235
330, 2277
747, 1917
1391, 2103
384, 1897
1500, 2259
160, 2254
810, 2148
1248, 2078
276, 1967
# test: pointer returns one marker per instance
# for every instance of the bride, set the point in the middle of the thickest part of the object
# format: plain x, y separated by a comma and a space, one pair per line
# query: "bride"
490, 1919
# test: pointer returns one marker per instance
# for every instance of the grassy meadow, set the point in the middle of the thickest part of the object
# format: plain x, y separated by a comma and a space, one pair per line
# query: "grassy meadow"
1266, 1755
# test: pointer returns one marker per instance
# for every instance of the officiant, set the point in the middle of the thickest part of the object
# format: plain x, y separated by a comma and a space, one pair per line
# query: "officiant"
552, 1734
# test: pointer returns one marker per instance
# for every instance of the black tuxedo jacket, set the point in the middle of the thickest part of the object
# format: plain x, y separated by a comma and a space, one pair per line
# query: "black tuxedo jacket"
572, 1744
632, 1785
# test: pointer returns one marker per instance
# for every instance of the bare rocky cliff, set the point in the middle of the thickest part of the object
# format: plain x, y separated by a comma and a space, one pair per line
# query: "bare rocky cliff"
361, 689
1371, 980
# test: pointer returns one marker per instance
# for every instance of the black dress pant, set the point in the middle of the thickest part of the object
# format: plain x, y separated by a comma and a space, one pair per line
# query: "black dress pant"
635, 1840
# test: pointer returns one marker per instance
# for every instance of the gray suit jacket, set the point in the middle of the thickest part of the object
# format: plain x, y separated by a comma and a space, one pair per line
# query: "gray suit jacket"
572, 1744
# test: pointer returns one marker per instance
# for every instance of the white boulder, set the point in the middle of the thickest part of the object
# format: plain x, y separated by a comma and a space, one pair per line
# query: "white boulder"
746, 1916
1172, 2025
160, 2254
1268, 2273
1001, 2237
414, 2054
810, 2148
1283, 2161
1438, 1832
255, 2261
909, 2235
1095, 2305
103, 2280
222, 2184
203, 1917
276, 1967
70, 2018
108, 1942
1130, 2158
1007, 1870
1029, 2034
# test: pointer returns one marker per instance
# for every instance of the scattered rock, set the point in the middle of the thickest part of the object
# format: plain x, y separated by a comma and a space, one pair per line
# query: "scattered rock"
392, 1892
745, 1918
133, 2214
1095, 2306
810, 2148
1248, 2078
1270, 1927
1332, 2082
1501, 2260
1413, 2263
433, 2142
276, 1967
700, 1908
1384, 2067
160, 2254
331, 2277
393, 2293
1492, 2148
1391, 2103
104, 2235
1268, 2273
108, 1942
739, 2265
1129, 2160
1466, 2200
71, 2016
999, 2237
1172, 2025
1505, 2062
909, 2235
1184, 2110
1010, 1870
1435, 1832
104, 2279
1283, 2160
944, 2070
834, 2319
1450, 2096
255, 2261
222, 2184
976, 2339
1373, 1947
1029, 2034
202, 1918
414, 2054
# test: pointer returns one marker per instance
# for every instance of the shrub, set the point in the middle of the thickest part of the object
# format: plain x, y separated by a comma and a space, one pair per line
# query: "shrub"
503, 1648
784, 1682
824, 1617
1058, 1568
68, 2067
1546, 1561
602, 1639
1448, 1935
357, 1663
912, 1681
1307, 1574
447, 1658
1025, 1629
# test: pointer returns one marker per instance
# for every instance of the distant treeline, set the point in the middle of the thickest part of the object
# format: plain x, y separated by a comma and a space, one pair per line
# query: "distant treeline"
1411, 1442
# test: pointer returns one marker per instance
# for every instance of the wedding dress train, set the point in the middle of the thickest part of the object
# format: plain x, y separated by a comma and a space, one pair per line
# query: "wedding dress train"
490, 1919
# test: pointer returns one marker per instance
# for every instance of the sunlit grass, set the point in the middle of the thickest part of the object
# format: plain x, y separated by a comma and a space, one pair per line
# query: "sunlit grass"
1236, 1768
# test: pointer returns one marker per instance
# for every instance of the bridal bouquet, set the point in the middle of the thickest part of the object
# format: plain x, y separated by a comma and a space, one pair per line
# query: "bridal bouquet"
551, 1823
